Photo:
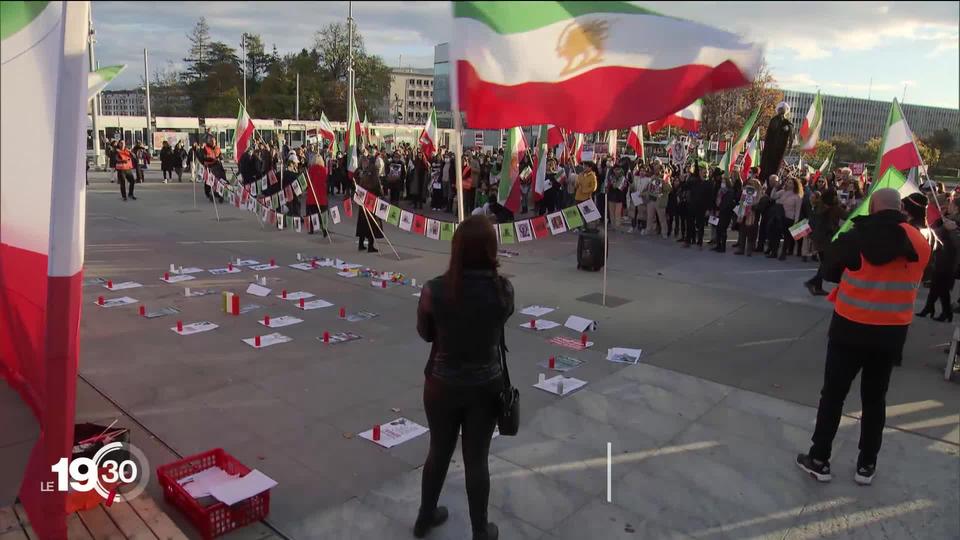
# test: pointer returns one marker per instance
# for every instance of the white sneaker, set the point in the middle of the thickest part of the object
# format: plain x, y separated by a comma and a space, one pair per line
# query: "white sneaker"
164, 181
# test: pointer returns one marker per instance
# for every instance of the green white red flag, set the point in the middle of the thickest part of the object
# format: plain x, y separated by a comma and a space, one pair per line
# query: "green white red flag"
555, 135
100, 78
686, 119
898, 149
509, 192
809, 132
635, 140
752, 156
326, 129
428, 137
541, 184
581, 65
892, 178
243, 133
741, 139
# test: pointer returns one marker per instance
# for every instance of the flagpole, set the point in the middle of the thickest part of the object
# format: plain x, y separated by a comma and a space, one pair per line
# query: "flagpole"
214, 196
458, 160
606, 244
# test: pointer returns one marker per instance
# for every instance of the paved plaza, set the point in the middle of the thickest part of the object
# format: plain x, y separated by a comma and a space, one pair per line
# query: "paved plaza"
704, 431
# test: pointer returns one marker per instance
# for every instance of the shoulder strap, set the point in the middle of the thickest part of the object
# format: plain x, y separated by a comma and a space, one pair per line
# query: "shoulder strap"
503, 358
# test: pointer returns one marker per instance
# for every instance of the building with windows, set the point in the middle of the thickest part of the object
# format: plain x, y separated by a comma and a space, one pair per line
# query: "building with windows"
864, 119
410, 99
123, 103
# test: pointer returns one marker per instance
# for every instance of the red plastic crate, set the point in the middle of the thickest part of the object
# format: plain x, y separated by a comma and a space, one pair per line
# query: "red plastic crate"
216, 519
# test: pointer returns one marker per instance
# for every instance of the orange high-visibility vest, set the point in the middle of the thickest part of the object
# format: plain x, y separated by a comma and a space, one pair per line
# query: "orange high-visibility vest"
210, 154
883, 295
124, 160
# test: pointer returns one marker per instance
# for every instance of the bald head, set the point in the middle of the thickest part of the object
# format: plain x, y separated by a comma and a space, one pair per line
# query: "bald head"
884, 199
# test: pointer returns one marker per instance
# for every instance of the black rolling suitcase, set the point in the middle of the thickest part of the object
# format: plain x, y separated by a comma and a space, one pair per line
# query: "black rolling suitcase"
590, 255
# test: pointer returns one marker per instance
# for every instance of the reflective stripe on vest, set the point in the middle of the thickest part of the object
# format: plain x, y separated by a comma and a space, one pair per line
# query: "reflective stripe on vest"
881, 285
874, 306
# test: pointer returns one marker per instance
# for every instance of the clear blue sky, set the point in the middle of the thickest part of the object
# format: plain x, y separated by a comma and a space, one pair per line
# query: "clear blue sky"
835, 46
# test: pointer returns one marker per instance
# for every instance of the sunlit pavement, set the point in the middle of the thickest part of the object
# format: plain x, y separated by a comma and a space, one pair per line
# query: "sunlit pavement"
703, 432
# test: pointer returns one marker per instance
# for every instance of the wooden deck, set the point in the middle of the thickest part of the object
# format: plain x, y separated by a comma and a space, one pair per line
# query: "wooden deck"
139, 519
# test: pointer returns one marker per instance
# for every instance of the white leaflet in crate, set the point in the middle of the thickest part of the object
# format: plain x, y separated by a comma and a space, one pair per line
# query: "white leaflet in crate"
589, 211
383, 209
268, 340
433, 229
196, 328
397, 432
556, 223
335, 214
313, 304
359, 196
123, 285
560, 385
114, 302
580, 324
264, 267
406, 220
237, 489
177, 278
305, 266
536, 311
246, 262
622, 355
221, 271
280, 322
540, 324
296, 295
524, 230
257, 290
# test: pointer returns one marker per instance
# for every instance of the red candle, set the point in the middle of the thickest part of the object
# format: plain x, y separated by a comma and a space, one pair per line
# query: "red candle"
272, 263
179, 326
326, 337
100, 300
553, 362
266, 320
383, 284
376, 432
313, 263
109, 283
256, 341
301, 303
143, 311
583, 339
166, 276
284, 294
533, 323
343, 313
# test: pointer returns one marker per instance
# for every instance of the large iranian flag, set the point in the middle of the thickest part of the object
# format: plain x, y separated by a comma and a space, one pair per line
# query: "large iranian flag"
635, 140
892, 178
741, 139
243, 134
686, 119
44, 88
428, 137
752, 156
541, 184
509, 192
581, 65
898, 149
555, 135
809, 132
326, 130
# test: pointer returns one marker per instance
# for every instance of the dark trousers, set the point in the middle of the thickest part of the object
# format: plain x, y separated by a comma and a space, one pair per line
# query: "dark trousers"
817, 279
167, 174
123, 178
696, 224
139, 174
395, 191
940, 286
722, 227
469, 201
842, 365
448, 408
763, 223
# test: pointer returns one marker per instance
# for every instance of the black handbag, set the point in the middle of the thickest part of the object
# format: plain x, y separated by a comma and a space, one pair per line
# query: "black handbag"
509, 419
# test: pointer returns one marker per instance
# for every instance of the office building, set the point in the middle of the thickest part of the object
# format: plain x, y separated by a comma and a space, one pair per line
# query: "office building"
410, 99
124, 103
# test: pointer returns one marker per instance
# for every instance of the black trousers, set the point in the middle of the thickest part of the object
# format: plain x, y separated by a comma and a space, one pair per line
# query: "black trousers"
842, 365
448, 408
722, 227
696, 224
123, 178
940, 286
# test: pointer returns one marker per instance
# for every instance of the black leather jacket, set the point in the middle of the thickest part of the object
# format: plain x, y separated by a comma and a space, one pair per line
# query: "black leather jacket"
466, 336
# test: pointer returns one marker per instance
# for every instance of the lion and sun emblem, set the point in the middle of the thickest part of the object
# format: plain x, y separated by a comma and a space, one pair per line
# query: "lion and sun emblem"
582, 44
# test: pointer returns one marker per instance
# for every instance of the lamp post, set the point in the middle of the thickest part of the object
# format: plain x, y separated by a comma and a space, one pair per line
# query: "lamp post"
146, 80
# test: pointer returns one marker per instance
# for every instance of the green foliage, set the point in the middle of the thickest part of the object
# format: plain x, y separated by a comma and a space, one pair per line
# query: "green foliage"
822, 151
942, 140
849, 150
726, 112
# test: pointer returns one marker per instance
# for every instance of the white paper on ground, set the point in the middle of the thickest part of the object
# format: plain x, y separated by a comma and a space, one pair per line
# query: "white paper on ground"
314, 304
268, 340
416, 294
188, 270
552, 384
257, 290
196, 328
580, 324
536, 311
561, 363
201, 292
542, 324
378, 283
123, 285
325, 262
221, 271
280, 322
247, 308
114, 302
235, 490
178, 278
348, 273
397, 432
342, 265
296, 295
161, 312
246, 262
361, 316
306, 267
262, 267
624, 356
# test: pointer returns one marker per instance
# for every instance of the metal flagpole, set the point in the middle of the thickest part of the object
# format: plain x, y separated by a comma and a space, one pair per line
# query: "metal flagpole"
606, 245
146, 81
243, 53
458, 160
95, 103
213, 190
297, 110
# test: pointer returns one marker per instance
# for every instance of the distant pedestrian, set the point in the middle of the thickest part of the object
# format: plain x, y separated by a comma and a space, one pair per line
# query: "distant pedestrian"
179, 156
317, 202
141, 158
124, 166
166, 161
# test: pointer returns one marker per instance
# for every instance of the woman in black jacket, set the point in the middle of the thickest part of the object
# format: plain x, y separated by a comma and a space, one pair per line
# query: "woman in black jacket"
943, 266
166, 161
463, 313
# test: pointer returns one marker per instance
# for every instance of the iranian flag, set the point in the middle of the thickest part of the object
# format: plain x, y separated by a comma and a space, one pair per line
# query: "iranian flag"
509, 192
428, 137
581, 65
635, 140
44, 89
898, 149
366, 129
577, 148
741, 139
326, 130
892, 178
541, 184
243, 134
687, 119
99, 79
726, 162
352, 138
809, 132
824, 167
752, 157
555, 135
612, 143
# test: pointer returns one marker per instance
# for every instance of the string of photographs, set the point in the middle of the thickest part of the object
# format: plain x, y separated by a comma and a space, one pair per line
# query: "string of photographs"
270, 209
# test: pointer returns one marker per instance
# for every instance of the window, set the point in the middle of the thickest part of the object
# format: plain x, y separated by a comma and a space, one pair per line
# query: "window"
410, 93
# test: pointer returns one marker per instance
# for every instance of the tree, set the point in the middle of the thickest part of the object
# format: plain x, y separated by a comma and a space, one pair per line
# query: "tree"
332, 45
221, 53
199, 44
257, 59
726, 112
849, 150
940, 139
822, 151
